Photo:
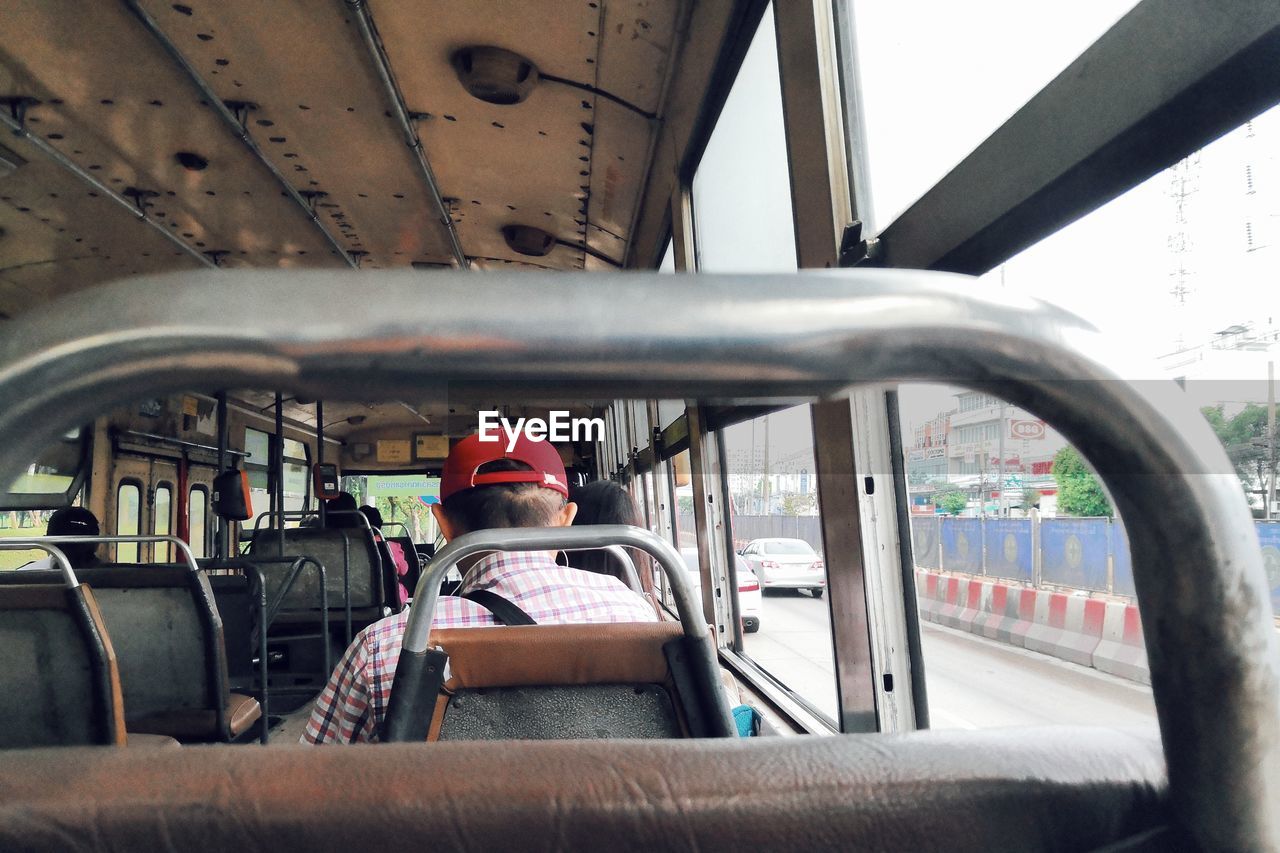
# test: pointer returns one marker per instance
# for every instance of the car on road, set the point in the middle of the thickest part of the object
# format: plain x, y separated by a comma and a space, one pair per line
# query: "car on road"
750, 601
786, 564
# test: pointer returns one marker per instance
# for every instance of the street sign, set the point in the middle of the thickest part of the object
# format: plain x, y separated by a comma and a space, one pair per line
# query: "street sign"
1026, 429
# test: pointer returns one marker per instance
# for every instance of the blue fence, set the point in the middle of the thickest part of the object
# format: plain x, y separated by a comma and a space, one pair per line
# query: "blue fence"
962, 544
926, 541
1073, 552
1269, 539
1121, 565
1008, 545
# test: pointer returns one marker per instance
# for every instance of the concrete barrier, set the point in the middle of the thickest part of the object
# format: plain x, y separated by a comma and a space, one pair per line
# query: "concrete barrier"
1123, 650
1087, 631
927, 595
955, 591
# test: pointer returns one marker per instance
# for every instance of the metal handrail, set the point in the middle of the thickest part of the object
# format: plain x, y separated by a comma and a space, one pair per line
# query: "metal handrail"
64, 565
422, 611
41, 541
1215, 670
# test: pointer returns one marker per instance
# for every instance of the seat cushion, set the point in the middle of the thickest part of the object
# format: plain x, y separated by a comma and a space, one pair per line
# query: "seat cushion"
188, 725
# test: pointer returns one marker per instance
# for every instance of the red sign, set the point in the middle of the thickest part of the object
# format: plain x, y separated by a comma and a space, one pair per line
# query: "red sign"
1026, 429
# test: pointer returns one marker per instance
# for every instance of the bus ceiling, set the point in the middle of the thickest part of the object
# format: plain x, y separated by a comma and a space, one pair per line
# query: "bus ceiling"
180, 136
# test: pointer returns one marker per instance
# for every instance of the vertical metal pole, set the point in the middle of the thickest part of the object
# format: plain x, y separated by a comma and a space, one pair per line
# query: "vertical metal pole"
1000, 506
222, 547
277, 465
839, 508
320, 452
709, 523
1271, 438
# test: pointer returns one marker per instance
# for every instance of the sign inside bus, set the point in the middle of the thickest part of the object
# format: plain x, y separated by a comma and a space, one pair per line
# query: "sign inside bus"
1026, 429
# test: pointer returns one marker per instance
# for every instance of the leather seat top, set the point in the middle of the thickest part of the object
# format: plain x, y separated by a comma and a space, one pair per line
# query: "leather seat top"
612, 653
1017, 789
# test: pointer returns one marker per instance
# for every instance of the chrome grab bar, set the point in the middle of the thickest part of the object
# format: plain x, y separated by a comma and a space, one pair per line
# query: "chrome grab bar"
42, 541
64, 565
421, 612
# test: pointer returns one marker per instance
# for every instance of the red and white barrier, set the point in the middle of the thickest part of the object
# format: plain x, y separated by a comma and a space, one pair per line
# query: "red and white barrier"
1087, 631
1123, 650
955, 592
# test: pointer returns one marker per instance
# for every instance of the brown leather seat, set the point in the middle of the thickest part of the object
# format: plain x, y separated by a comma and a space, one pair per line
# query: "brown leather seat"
172, 659
996, 790
59, 681
560, 681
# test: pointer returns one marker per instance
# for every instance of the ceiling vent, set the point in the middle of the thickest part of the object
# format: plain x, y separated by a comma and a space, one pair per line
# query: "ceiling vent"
494, 75
527, 240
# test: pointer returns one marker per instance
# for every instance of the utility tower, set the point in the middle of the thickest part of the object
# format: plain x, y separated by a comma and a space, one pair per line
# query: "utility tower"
1184, 183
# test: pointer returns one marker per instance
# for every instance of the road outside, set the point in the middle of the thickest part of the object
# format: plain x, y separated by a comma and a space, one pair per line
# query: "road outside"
972, 682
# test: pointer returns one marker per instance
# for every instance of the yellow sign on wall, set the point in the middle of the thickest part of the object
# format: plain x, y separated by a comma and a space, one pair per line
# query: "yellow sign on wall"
431, 446
395, 450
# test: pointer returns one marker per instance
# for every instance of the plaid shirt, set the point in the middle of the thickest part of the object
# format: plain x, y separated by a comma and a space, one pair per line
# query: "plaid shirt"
351, 706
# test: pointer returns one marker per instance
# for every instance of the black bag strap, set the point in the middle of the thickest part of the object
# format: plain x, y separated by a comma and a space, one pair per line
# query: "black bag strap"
504, 612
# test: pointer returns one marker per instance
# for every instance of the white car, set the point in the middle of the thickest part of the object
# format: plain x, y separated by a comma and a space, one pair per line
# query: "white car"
750, 601
786, 564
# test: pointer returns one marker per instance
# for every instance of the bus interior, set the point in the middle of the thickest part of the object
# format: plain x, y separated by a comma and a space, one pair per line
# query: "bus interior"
859, 305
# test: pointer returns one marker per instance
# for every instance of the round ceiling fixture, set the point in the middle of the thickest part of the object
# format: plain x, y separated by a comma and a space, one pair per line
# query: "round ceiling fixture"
527, 240
494, 75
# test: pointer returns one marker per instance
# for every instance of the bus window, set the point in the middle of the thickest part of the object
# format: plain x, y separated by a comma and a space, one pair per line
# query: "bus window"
918, 82
161, 521
198, 519
1009, 523
297, 482
128, 519
668, 258
745, 225
777, 534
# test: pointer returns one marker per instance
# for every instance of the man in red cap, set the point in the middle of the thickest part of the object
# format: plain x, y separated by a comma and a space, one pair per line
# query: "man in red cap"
484, 485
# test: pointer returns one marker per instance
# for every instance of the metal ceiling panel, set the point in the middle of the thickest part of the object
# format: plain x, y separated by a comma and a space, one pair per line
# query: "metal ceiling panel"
320, 115
619, 148
57, 234
118, 107
637, 40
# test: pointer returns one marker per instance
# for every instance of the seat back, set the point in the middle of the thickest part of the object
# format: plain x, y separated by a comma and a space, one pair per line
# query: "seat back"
168, 641
353, 546
539, 682
59, 685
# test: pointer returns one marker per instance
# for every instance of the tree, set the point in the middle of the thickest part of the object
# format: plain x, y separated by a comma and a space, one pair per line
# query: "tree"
797, 504
1030, 497
1079, 492
952, 503
1244, 437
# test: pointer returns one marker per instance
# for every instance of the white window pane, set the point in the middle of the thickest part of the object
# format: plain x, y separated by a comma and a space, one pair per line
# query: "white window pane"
128, 509
742, 191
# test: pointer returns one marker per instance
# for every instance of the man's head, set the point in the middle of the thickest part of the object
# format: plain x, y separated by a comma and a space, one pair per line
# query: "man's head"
484, 486
75, 521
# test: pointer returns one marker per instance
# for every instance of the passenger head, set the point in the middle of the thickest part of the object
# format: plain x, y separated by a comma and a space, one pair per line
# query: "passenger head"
338, 509
605, 502
484, 486
374, 517
76, 521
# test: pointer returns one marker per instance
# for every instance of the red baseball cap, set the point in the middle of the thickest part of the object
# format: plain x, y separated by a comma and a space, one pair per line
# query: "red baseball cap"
468, 455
